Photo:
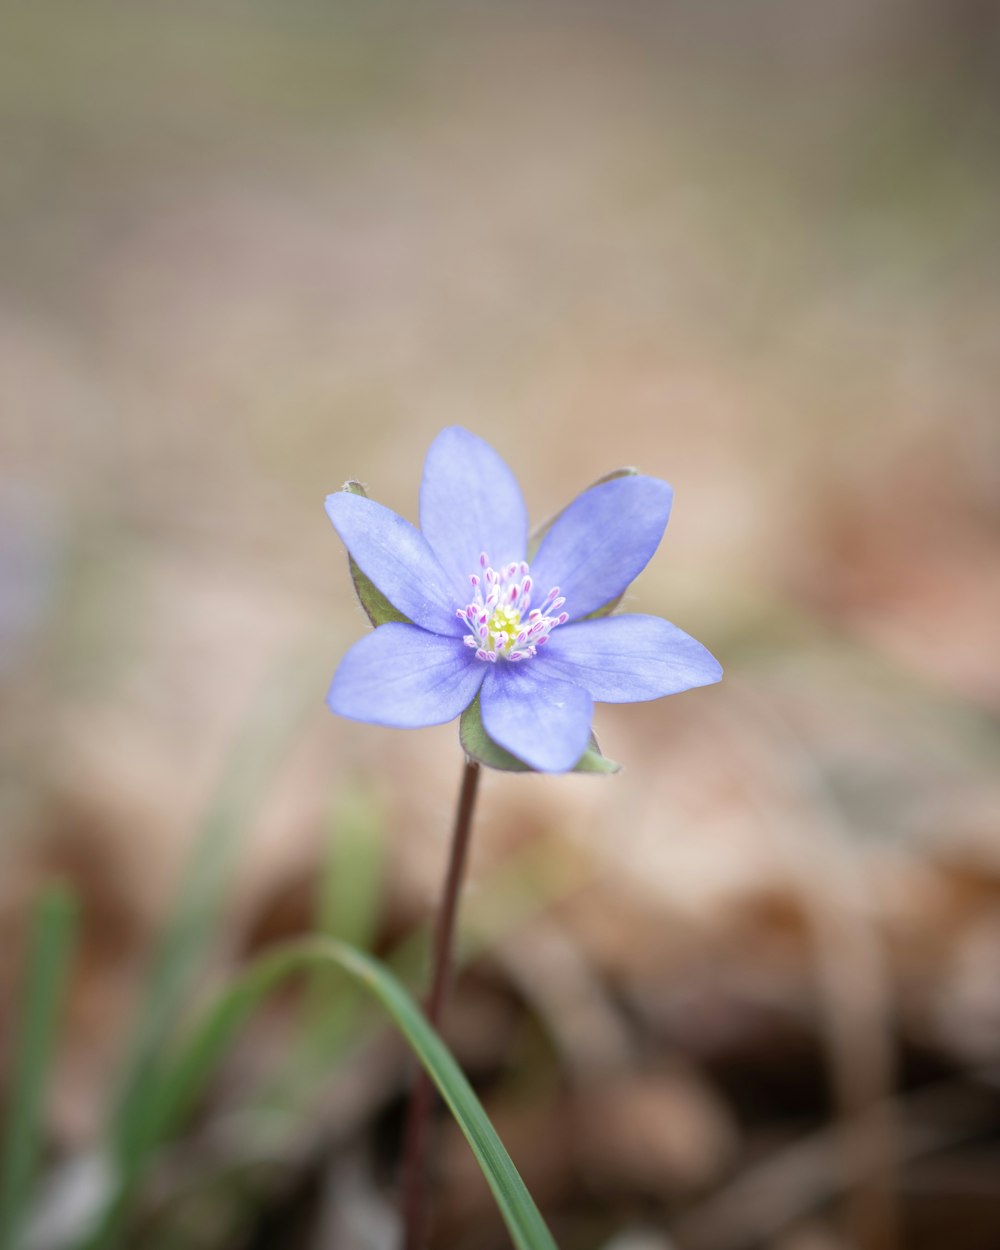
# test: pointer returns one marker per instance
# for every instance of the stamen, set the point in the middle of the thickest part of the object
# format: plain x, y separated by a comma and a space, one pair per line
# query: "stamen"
504, 625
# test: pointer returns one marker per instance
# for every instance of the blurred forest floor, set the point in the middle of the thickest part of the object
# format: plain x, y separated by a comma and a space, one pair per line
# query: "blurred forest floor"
745, 993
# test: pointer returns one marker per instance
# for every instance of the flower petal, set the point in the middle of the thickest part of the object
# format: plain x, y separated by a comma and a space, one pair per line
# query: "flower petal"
398, 560
542, 720
626, 659
403, 676
602, 541
470, 502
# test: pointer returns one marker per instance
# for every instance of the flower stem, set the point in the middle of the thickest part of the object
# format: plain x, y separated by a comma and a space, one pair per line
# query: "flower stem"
421, 1096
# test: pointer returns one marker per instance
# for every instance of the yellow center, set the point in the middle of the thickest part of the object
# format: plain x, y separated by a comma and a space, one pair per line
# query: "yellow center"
506, 621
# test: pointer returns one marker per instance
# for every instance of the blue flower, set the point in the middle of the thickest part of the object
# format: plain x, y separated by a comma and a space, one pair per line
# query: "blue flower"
480, 620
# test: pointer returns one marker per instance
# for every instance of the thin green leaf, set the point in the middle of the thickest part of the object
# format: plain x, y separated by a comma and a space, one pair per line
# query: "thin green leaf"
288, 694
478, 745
350, 896
45, 976
230, 1013
377, 607
527, 884
351, 888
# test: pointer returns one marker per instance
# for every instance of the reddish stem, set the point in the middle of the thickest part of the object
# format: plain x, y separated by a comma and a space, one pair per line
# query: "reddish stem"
421, 1096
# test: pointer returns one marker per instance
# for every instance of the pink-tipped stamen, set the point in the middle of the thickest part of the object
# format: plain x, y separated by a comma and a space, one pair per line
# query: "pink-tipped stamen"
503, 624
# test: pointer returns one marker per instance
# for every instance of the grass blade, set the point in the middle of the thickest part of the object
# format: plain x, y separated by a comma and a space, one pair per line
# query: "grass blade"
277, 714
351, 886
349, 900
45, 977
186, 1079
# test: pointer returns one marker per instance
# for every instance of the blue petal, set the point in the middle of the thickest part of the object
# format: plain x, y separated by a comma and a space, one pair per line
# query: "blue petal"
405, 677
470, 502
626, 659
602, 541
398, 560
542, 720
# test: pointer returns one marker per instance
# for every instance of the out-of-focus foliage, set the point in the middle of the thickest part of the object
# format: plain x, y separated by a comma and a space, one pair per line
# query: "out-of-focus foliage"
43, 979
745, 992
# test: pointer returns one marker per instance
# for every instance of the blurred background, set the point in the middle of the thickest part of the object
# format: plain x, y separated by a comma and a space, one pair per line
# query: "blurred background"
747, 992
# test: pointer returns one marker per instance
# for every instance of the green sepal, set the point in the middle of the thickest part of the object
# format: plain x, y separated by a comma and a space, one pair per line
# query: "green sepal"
536, 536
377, 607
479, 746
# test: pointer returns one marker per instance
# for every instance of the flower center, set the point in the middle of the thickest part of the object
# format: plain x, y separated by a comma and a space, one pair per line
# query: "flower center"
504, 625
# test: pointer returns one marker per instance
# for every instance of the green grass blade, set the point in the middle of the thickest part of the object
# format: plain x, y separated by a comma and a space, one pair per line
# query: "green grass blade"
177, 962
525, 885
175, 1095
348, 904
352, 883
45, 976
